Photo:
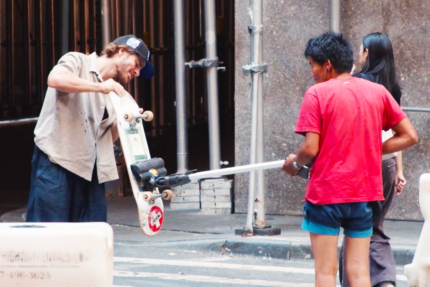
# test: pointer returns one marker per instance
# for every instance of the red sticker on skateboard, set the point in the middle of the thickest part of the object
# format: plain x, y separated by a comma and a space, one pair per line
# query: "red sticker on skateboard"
155, 218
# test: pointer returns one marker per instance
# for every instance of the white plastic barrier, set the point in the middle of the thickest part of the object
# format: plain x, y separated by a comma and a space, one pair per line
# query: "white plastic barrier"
418, 272
56, 254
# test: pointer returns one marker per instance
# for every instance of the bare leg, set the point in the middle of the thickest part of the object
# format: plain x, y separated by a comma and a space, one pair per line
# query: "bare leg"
357, 261
324, 248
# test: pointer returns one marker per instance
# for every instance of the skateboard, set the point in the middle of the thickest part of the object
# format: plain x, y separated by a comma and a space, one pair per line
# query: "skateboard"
136, 153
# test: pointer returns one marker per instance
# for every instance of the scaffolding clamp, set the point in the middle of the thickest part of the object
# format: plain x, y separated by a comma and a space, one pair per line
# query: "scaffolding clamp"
203, 63
255, 29
252, 68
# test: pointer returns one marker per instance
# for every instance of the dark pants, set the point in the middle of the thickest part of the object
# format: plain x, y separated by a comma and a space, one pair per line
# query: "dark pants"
58, 195
382, 264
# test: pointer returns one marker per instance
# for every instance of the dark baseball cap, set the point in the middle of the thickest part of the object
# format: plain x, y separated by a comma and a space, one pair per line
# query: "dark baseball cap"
139, 47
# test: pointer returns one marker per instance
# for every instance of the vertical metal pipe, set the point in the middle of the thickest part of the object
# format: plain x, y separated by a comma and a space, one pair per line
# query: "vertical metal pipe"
118, 19
181, 100
212, 84
335, 16
106, 33
256, 112
189, 53
260, 221
190, 41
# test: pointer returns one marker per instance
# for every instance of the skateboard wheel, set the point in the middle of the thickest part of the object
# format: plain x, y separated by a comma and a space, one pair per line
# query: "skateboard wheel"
147, 196
148, 116
128, 117
167, 194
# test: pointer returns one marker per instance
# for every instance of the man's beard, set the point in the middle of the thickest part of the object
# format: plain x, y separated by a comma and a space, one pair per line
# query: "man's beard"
121, 80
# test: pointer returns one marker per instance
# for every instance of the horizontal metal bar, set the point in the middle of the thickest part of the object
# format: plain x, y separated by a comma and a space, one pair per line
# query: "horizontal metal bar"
34, 120
237, 169
18, 122
406, 109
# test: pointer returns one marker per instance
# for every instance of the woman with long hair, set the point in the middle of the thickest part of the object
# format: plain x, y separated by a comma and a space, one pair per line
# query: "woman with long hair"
377, 61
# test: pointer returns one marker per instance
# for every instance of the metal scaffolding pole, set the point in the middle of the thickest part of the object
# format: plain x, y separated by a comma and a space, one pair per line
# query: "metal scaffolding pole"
212, 84
106, 25
256, 68
181, 100
211, 64
335, 16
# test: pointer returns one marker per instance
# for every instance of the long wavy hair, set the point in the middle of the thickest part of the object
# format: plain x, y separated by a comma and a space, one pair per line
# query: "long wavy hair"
380, 63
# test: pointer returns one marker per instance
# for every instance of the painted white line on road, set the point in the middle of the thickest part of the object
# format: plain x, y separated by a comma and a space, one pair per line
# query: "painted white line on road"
209, 279
222, 265
212, 265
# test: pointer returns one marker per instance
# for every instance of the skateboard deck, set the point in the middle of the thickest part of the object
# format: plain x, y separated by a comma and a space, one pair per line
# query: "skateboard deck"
135, 149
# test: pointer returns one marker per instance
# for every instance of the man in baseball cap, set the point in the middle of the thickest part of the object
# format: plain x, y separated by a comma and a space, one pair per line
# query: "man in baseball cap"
73, 155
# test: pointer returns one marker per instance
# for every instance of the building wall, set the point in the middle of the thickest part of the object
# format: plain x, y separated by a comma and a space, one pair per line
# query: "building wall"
288, 24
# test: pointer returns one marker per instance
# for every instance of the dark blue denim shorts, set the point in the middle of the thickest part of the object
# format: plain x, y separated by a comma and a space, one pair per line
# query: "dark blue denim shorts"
58, 195
356, 218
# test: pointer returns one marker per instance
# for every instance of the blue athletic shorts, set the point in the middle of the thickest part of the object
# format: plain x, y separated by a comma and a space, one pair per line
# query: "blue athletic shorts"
356, 218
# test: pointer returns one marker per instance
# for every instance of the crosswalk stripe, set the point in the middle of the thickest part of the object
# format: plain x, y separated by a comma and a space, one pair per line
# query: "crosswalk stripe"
212, 265
223, 265
209, 279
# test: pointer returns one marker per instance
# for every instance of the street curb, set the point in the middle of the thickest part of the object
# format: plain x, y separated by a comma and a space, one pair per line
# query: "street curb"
280, 249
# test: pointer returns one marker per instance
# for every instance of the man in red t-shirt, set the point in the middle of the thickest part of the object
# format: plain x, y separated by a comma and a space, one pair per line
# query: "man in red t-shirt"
341, 118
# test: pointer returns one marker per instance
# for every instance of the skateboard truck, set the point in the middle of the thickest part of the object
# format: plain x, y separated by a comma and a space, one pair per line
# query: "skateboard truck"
134, 118
146, 172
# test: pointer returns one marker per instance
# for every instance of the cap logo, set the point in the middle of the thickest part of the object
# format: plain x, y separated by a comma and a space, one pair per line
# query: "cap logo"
133, 42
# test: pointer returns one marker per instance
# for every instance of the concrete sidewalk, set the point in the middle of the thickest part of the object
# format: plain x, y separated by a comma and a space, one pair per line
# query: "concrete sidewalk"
192, 230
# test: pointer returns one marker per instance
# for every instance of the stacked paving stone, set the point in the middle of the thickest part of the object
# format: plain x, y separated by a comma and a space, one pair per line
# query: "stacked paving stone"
186, 196
215, 196
212, 196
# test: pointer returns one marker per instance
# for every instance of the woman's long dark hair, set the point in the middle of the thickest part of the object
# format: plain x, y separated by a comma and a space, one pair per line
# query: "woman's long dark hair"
380, 63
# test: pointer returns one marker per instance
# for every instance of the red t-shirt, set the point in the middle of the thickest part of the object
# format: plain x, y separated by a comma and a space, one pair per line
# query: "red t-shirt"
349, 115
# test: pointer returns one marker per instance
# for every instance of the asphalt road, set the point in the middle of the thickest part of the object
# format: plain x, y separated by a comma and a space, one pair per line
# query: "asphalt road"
137, 264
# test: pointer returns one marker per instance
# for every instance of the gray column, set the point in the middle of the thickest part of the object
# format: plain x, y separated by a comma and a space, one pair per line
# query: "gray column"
181, 100
335, 16
106, 38
212, 85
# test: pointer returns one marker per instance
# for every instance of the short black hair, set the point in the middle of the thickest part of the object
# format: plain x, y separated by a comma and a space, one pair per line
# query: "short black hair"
333, 47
